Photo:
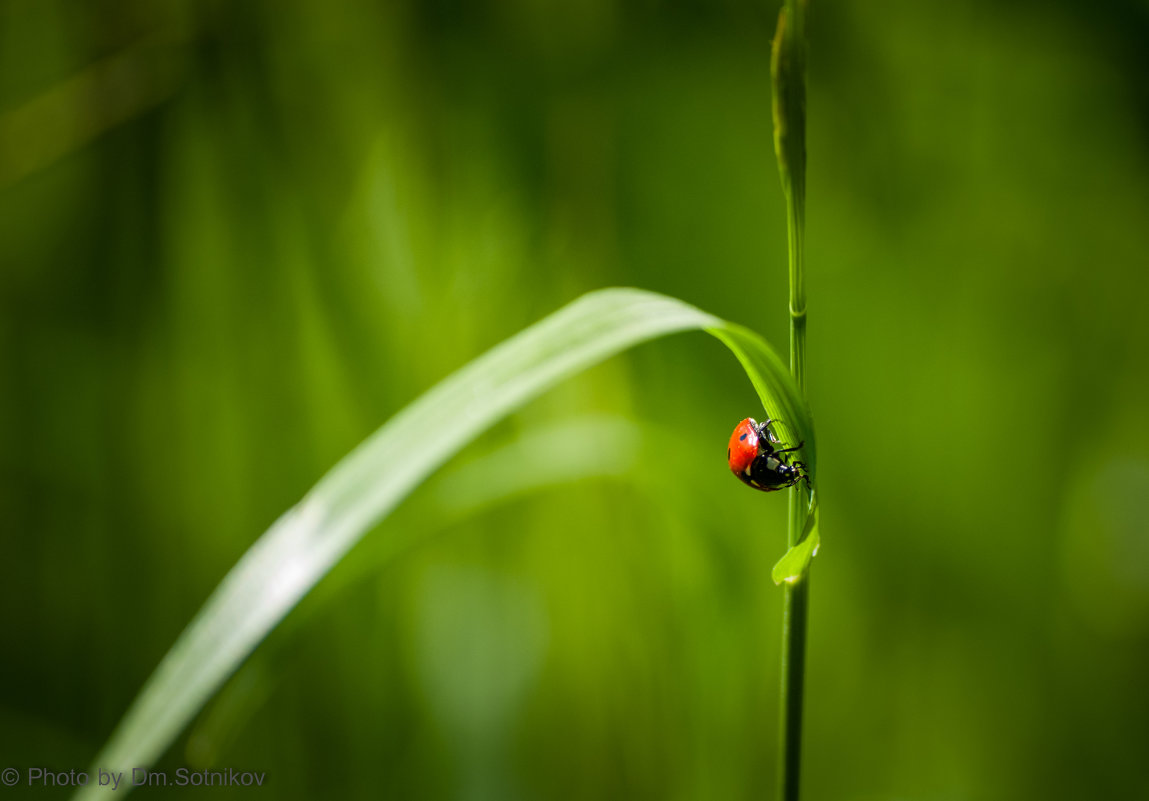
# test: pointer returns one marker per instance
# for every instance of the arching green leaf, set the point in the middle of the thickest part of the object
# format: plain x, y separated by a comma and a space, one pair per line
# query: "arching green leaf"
303, 545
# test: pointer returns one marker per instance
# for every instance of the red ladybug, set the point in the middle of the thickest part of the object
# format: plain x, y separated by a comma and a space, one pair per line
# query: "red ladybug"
753, 458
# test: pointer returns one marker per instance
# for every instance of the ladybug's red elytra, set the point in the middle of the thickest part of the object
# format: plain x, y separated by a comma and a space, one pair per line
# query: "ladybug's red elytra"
743, 448
757, 463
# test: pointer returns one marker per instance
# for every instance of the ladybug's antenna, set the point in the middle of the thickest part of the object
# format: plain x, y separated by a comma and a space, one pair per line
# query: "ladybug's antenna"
764, 427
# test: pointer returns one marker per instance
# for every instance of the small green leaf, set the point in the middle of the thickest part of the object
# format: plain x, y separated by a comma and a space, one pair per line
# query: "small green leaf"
796, 562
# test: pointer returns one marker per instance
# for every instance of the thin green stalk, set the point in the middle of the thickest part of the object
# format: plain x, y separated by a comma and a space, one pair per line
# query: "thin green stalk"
788, 68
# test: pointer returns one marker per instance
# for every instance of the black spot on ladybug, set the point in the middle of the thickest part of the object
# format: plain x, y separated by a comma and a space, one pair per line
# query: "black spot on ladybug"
742, 438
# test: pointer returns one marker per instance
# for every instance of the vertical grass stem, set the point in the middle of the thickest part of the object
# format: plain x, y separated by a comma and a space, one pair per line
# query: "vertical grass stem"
788, 71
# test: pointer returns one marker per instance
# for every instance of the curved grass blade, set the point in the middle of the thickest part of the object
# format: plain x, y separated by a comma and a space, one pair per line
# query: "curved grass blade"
303, 544
544, 457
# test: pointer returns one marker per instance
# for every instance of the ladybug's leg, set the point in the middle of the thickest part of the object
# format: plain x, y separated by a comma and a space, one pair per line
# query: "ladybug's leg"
796, 479
802, 466
797, 447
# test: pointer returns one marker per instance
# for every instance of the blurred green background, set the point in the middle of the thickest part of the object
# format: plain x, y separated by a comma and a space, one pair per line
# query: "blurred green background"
236, 238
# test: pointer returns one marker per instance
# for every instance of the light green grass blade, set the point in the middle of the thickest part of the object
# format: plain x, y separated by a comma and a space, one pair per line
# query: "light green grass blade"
303, 545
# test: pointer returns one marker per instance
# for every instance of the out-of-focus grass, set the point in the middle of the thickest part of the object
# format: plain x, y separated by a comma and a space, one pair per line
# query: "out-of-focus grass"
204, 307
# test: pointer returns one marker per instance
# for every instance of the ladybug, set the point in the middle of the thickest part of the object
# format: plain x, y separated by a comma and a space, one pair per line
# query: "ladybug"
755, 460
